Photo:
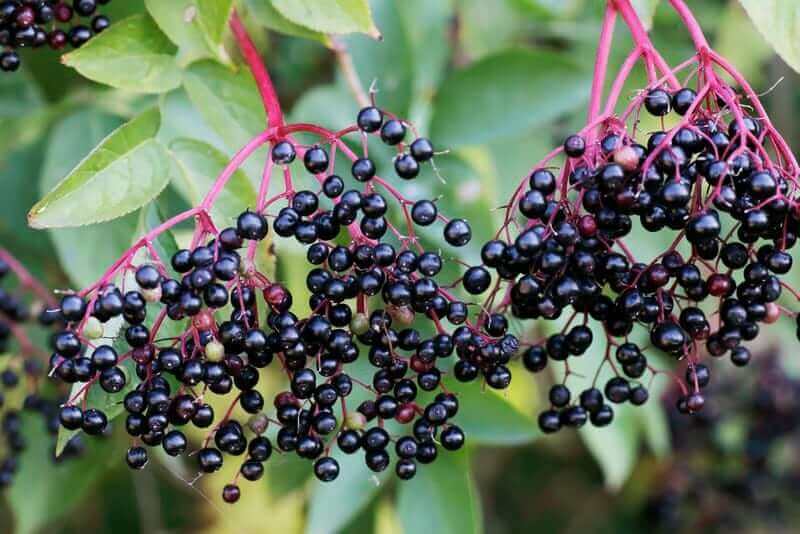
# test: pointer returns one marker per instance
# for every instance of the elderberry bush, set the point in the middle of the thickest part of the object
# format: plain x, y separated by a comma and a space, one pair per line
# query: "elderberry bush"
55, 23
23, 400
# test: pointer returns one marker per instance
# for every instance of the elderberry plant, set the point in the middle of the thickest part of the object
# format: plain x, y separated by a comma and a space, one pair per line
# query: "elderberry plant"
205, 339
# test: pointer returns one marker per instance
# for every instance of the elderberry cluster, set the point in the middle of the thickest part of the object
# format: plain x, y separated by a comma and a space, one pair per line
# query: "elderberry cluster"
35, 23
709, 183
22, 373
365, 299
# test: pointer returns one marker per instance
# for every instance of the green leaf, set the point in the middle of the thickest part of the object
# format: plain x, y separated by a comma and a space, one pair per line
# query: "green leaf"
646, 9
229, 103
124, 172
201, 164
329, 16
212, 16
506, 93
334, 504
441, 498
45, 491
266, 15
779, 23
133, 54
84, 253
489, 419
178, 20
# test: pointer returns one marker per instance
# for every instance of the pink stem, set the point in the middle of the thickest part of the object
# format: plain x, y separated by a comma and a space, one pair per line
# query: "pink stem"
268, 94
601, 61
640, 37
622, 77
233, 165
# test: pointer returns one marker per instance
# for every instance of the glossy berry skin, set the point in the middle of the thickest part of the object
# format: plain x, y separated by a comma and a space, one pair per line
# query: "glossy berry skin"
683, 99
574, 146
421, 149
326, 469
658, 102
252, 226
369, 119
9, 61
393, 132
136, 457
84, 8
549, 421
457, 232
316, 160
406, 166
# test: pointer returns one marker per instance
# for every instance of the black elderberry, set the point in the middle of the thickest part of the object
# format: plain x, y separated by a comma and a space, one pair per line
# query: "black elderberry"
393, 132
421, 149
457, 232
250, 225
574, 146
369, 119
406, 166
657, 102
316, 160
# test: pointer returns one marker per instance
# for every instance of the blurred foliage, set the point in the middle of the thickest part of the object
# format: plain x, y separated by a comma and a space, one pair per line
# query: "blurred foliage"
496, 84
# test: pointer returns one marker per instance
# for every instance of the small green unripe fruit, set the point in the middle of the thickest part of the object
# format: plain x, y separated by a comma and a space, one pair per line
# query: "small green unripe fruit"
355, 421
215, 351
93, 329
359, 324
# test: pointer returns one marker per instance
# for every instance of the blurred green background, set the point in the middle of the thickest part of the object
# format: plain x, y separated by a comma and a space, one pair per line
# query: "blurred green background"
498, 83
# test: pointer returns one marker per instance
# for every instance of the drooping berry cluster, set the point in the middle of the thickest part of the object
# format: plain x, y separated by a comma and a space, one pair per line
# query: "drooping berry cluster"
233, 321
22, 368
721, 182
35, 23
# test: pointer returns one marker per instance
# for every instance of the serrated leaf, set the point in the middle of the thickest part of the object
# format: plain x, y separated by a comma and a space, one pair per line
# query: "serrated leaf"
229, 103
329, 16
266, 15
489, 419
124, 172
43, 490
334, 504
178, 20
84, 253
441, 498
779, 23
201, 163
133, 54
504, 94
